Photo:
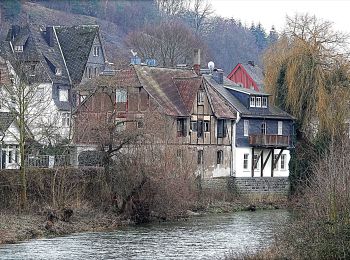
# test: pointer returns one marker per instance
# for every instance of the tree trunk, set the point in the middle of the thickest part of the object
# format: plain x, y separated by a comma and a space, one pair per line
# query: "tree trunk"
23, 180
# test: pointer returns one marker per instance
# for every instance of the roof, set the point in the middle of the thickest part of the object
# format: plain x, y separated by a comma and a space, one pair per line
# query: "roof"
6, 119
188, 88
227, 93
256, 73
160, 84
76, 43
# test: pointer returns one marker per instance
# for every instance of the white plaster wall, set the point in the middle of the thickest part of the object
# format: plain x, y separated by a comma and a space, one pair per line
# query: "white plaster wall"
241, 172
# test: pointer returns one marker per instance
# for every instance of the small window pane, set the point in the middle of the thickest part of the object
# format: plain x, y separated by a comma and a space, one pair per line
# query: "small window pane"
258, 102
245, 161
63, 95
252, 101
246, 127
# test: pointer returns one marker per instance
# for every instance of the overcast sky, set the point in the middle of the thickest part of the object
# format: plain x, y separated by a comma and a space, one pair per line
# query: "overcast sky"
273, 12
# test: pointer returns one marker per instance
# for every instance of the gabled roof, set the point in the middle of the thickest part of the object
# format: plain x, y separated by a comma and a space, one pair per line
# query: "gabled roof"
76, 43
188, 88
272, 112
6, 119
160, 84
254, 71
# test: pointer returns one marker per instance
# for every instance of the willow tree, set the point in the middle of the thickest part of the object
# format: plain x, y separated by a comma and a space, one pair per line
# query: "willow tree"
307, 73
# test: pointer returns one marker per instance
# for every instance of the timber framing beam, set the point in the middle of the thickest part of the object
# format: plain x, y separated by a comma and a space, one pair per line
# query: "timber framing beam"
274, 162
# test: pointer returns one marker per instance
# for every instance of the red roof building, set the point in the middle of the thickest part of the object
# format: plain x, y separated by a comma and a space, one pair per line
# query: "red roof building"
248, 76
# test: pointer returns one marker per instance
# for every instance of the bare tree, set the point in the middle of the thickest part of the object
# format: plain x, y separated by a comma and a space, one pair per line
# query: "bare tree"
170, 43
28, 100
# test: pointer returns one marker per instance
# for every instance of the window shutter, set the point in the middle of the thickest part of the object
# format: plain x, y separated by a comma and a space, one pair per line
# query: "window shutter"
224, 128
184, 127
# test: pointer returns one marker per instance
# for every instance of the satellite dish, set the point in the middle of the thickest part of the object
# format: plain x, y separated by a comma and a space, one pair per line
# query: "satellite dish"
211, 65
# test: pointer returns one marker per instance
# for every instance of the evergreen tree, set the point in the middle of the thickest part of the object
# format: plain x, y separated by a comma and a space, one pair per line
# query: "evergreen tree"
10, 9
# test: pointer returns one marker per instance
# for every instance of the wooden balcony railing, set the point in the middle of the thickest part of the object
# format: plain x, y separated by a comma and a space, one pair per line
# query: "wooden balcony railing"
269, 140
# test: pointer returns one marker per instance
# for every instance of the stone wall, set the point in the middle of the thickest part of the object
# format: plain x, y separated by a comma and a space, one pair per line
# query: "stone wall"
265, 185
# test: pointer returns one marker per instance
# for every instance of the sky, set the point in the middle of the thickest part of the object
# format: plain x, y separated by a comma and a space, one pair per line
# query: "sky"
273, 12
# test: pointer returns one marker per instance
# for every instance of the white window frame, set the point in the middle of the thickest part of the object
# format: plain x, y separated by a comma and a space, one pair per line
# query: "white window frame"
246, 161
58, 72
252, 101
258, 102
264, 102
200, 97
283, 162
63, 95
206, 126
96, 51
65, 116
246, 127
121, 96
18, 48
280, 128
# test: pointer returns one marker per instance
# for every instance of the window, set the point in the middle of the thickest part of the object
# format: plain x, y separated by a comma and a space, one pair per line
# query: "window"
16, 154
258, 102
245, 161
264, 102
256, 162
193, 126
19, 48
40, 92
179, 153
10, 157
280, 128
200, 96
89, 73
82, 98
252, 101
96, 72
283, 162
96, 50
200, 157
206, 126
246, 127
58, 72
120, 125
219, 157
200, 129
139, 124
65, 119
263, 128
63, 95
181, 127
221, 128
275, 156
121, 96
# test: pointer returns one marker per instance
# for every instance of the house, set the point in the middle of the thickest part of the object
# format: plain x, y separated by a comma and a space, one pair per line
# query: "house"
52, 61
263, 134
248, 75
172, 107
9, 131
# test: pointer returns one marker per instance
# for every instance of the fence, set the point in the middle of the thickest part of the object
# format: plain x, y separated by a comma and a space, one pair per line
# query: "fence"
47, 161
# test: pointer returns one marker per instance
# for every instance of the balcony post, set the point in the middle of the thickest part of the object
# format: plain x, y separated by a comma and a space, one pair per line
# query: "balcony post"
252, 164
262, 163
272, 160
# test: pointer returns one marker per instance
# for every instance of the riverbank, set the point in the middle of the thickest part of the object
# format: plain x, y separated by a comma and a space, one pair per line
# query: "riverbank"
16, 227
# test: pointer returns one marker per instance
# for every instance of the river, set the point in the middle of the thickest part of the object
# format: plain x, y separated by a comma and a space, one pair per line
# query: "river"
204, 237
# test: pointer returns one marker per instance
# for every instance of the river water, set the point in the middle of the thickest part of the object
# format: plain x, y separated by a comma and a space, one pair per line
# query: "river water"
204, 237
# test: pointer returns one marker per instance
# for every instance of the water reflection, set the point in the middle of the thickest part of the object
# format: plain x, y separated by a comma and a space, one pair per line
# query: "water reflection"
205, 237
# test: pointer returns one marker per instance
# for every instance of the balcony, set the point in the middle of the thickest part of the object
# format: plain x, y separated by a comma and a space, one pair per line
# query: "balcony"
269, 140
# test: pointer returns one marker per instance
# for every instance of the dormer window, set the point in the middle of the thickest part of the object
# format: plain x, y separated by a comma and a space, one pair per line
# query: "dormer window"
264, 102
18, 48
96, 51
258, 101
252, 101
58, 72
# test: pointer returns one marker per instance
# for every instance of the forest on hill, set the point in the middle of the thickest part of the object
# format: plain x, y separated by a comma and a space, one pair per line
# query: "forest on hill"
126, 24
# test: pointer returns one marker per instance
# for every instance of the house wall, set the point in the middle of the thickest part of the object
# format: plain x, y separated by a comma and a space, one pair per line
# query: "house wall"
255, 128
93, 62
239, 170
240, 76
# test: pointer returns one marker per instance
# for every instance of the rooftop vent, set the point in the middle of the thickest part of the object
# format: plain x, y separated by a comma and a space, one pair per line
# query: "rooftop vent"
251, 62
218, 76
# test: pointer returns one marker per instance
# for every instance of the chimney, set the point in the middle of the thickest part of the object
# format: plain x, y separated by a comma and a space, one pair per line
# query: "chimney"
49, 35
251, 62
218, 76
15, 31
197, 61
